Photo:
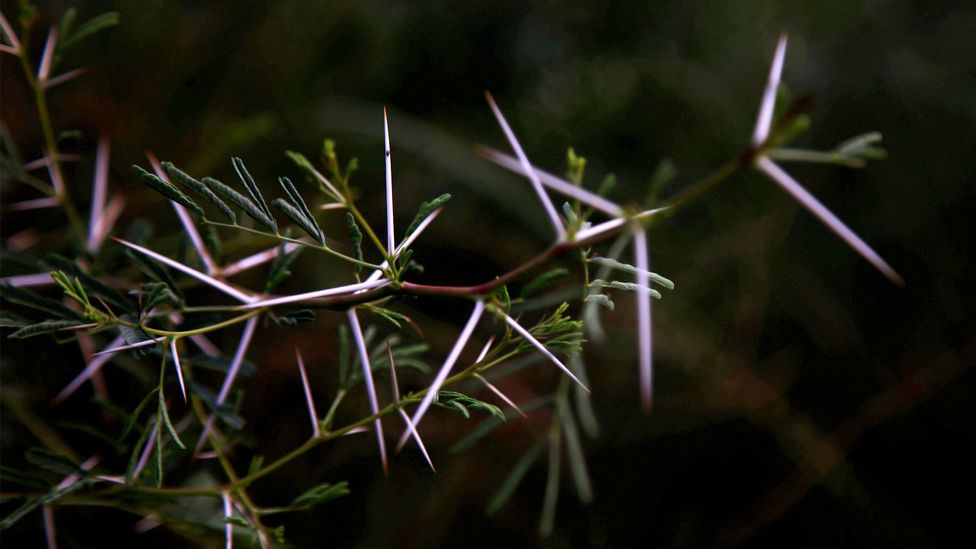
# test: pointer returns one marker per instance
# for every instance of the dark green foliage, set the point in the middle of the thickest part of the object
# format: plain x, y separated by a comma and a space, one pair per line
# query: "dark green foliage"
136, 335
155, 294
224, 411
426, 209
279, 266
463, 403
515, 476
222, 364
320, 494
30, 299
154, 270
52, 461
252, 190
45, 327
614, 264
310, 225
164, 414
307, 224
97, 287
311, 173
86, 29
182, 177
241, 202
294, 318
133, 418
663, 175
543, 280
356, 235
168, 190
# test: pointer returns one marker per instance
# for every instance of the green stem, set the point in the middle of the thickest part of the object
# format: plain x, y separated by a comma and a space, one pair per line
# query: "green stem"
51, 145
314, 246
202, 330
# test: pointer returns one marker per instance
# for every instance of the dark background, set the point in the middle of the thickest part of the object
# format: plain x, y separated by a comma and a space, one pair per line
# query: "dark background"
801, 399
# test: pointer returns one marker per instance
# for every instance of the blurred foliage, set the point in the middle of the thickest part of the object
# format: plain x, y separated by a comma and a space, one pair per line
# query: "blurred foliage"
802, 400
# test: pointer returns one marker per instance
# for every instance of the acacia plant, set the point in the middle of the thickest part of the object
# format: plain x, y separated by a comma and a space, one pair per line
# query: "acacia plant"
125, 299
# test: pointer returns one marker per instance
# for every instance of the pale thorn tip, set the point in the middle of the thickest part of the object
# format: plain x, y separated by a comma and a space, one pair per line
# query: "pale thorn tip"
178, 366
232, 371
435, 386
11, 35
99, 193
44, 70
389, 184
403, 414
222, 286
814, 206
309, 401
357, 333
188, 225
542, 348
554, 218
644, 327
764, 119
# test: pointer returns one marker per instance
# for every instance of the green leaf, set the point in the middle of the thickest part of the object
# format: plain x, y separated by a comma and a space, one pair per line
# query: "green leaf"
131, 336
11, 320
299, 202
45, 327
86, 429
311, 173
255, 466
607, 185
576, 167
390, 316
425, 210
65, 26
293, 318
515, 476
308, 225
862, 146
462, 403
154, 270
137, 449
625, 286
185, 179
224, 411
543, 280
491, 423
90, 27
27, 298
664, 173
168, 190
345, 357
601, 299
614, 264
548, 515
108, 293
320, 494
10, 475
241, 202
252, 189
356, 236
504, 299
222, 364
55, 462
164, 414
134, 416
211, 239
279, 267
156, 294
574, 451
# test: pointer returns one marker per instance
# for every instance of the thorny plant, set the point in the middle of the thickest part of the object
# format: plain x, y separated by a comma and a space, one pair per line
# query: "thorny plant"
145, 309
